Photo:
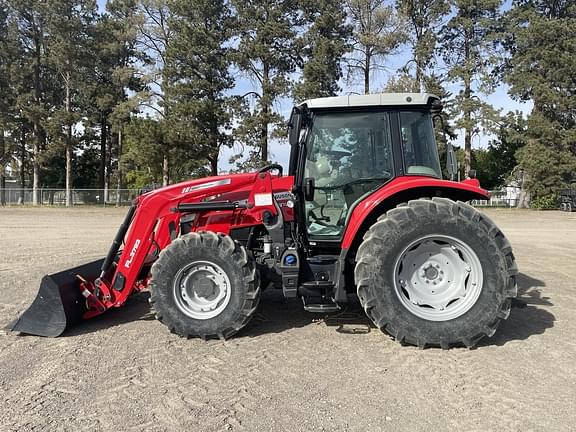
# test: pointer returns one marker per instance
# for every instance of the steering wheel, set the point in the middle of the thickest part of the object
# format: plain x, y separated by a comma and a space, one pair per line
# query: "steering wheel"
272, 167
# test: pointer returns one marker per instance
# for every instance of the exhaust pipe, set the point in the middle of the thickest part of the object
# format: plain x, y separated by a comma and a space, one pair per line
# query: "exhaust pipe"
59, 303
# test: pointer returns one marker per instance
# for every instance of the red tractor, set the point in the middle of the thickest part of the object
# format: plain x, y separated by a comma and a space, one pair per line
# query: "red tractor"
363, 209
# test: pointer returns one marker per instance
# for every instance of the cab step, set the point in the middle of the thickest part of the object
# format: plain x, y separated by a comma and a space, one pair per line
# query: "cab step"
321, 307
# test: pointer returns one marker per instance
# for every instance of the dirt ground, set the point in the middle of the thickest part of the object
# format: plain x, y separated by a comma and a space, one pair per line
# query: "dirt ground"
288, 370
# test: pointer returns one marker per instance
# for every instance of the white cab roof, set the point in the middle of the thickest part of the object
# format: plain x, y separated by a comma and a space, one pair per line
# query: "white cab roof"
380, 99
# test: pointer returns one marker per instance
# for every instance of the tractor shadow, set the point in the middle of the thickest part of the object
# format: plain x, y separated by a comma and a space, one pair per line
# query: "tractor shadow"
277, 314
527, 318
136, 308
274, 315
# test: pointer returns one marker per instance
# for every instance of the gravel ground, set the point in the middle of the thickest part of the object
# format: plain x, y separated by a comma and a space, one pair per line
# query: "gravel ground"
288, 370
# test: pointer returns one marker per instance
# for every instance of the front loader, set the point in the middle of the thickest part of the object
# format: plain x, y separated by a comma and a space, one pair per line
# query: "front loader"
362, 210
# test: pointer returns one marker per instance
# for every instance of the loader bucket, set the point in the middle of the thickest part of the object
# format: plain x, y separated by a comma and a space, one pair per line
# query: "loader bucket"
59, 303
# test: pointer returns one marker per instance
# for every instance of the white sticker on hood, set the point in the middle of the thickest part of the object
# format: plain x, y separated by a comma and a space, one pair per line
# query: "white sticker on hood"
206, 185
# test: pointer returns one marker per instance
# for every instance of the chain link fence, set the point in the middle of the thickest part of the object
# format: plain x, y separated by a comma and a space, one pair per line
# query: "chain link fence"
47, 196
124, 197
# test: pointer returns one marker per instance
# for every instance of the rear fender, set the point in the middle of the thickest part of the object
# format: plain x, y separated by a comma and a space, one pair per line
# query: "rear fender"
400, 190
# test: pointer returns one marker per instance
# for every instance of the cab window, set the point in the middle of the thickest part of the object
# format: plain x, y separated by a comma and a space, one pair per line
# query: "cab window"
419, 144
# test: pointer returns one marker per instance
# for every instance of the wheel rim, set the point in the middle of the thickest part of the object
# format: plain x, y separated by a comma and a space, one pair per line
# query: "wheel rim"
438, 278
202, 290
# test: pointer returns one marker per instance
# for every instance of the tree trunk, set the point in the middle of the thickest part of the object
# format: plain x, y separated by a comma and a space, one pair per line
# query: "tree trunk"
37, 128
120, 182
2, 169
418, 84
23, 169
213, 161
264, 100
68, 145
36, 164
165, 171
2, 184
467, 146
102, 172
524, 197
467, 113
368, 60
215, 148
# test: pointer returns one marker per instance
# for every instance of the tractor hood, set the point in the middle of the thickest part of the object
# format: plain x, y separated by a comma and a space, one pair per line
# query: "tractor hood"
201, 187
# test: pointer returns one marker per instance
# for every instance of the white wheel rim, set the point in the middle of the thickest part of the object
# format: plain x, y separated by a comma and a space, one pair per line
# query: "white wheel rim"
438, 278
201, 290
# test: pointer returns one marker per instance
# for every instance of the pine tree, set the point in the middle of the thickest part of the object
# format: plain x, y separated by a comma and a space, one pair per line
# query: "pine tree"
154, 38
322, 48
198, 64
467, 47
542, 68
378, 32
267, 54
69, 27
8, 56
423, 19
34, 87
113, 77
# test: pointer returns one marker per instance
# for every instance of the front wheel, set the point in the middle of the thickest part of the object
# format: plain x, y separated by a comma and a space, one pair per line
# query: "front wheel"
436, 273
204, 284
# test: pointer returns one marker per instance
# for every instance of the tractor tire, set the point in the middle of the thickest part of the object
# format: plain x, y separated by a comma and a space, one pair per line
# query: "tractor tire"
435, 272
204, 285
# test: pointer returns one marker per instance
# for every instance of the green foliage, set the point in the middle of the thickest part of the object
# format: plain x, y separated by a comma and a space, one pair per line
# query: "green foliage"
542, 68
495, 164
468, 50
423, 18
545, 202
267, 53
151, 90
378, 32
144, 151
322, 48
198, 69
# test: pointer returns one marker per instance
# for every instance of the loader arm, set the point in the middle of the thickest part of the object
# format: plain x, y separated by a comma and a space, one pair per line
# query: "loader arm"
217, 204
154, 221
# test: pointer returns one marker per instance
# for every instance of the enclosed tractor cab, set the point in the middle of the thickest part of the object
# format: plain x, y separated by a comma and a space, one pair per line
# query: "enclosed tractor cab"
363, 209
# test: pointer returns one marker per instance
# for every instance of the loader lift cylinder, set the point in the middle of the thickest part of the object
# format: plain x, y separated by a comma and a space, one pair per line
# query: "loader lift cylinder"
118, 241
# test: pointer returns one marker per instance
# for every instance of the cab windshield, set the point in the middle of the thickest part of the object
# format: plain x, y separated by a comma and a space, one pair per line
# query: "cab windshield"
348, 155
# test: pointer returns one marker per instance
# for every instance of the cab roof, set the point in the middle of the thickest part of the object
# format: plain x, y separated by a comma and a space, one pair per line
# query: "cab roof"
380, 99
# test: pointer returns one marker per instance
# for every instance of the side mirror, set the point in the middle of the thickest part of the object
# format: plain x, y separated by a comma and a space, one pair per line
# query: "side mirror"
309, 189
294, 126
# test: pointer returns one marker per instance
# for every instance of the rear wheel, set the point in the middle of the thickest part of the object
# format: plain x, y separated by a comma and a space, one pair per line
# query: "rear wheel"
436, 273
204, 284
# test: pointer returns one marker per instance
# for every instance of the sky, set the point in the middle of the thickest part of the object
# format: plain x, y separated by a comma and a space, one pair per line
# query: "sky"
279, 151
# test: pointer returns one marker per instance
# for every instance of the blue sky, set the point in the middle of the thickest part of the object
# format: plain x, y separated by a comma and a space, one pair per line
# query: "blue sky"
280, 150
